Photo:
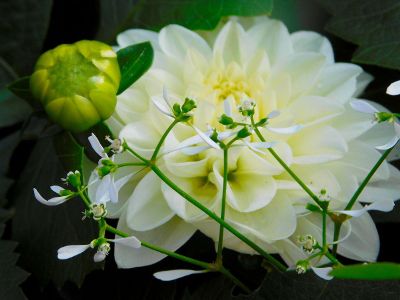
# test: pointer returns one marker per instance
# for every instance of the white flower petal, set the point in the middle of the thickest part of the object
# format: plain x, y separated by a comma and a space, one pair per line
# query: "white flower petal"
99, 256
71, 251
147, 208
165, 110
112, 190
323, 272
95, 143
135, 36
51, 202
287, 130
172, 235
194, 150
380, 205
131, 241
206, 139
394, 88
227, 108
389, 144
176, 274
56, 188
229, 42
309, 41
273, 114
363, 106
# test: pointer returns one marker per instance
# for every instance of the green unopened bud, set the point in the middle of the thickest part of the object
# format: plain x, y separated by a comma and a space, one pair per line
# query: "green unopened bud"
225, 120
77, 83
244, 132
302, 266
188, 105
74, 179
177, 109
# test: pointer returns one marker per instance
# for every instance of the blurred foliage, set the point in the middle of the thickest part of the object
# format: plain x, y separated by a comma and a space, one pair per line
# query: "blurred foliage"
370, 24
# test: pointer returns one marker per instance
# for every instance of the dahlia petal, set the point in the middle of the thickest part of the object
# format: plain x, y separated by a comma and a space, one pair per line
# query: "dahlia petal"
229, 42
135, 36
363, 106
309, 41
172, 235
323, 272
175, 40
287, 130
380, 205
389, 144
147, 208
130, 241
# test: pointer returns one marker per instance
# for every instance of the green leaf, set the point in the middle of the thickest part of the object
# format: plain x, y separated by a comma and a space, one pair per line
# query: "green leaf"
23, 28
370, 24
373, 271
134, 61
69, 151
290, 285
11, 276
41, 230
21, 88
12, 109
155, 14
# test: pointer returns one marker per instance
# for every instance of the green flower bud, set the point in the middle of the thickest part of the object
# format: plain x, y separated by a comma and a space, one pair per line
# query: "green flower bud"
77, 83
225, 120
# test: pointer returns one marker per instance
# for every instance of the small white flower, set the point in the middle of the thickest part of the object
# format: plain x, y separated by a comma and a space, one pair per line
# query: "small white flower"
380, 205
394, 88
67, 252
115, 145
308, 243
98, 211
55, 200
365, 107
323, 272
176, 274
163, 104
302, 266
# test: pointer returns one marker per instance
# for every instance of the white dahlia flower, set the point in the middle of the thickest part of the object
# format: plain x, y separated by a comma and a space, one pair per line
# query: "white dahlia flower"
295, 74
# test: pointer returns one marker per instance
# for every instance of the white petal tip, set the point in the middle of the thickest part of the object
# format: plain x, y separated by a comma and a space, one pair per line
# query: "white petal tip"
175, 274
394, 88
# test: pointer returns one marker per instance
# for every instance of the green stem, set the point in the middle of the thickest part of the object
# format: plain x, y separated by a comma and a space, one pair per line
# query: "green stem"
131, 164
134, 153
367, 179
84, 198
286, 167
163, 137
213, 216
356, 194
235, 280
324, 213
223, 203
184, 258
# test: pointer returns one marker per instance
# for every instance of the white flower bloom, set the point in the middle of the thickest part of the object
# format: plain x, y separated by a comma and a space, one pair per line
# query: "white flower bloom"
176, 274
67, 252
55, 200
365, 107
294, 74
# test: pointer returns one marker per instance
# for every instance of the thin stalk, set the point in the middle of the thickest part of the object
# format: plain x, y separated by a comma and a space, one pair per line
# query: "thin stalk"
163, 137
84, 198
367, 179
278, 265
223, 203
184, 258
286, 167
134, 153
357, 193
131, 164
